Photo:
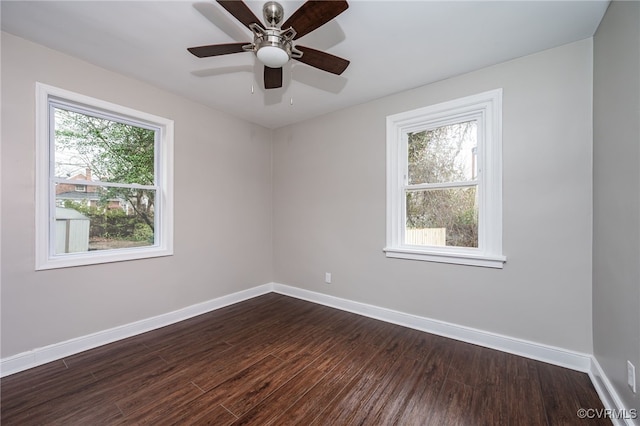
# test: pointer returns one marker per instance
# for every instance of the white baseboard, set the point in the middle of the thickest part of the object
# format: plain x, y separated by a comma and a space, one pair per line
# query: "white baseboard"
541, 352
553, 355
608, 395
39, 356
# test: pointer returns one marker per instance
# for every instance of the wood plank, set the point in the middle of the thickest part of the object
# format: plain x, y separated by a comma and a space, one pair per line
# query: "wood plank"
225, 366
525, 402
267, 411
561, 402
421, 396
178, 352
158, 394
157, 403
388, 397
346, 369
22, 391
78, 407
465, 364
355, 395
453, 406
249, 382
240, 400
524, 393
93, 402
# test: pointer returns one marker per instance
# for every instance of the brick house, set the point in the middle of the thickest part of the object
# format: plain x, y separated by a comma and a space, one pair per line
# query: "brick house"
88, 195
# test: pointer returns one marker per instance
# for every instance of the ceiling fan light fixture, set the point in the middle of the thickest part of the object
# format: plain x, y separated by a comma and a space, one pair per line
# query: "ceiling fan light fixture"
272, 56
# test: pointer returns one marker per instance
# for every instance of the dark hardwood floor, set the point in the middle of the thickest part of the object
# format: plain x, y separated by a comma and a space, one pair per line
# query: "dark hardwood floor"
278, 360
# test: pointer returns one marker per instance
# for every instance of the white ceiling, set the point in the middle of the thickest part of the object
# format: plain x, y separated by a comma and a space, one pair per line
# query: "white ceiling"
392, 45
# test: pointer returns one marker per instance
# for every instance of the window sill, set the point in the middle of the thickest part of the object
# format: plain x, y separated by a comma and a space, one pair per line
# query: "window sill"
69, 260
442, 256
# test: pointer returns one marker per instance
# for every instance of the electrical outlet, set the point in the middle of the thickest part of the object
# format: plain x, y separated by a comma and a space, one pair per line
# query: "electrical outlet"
327, 277
631, 376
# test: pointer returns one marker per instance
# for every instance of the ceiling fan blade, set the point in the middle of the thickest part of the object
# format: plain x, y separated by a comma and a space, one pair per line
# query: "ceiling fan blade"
313, 14
272, 78
322, 60
241, 12
216, 49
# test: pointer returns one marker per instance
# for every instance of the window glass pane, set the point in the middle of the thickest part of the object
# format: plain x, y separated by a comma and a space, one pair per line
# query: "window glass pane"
91, 148
443, 154
442, 217
103, 218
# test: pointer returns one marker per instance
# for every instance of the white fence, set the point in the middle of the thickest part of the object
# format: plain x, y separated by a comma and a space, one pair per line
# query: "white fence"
426, 236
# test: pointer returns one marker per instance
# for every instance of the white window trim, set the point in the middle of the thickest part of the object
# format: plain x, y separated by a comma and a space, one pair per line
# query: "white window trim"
487, 108
45, 199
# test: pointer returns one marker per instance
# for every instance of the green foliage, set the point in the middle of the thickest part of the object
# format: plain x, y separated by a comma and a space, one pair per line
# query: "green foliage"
437, 155
115, 152
453, 209
113, 223
443, 155
142, 232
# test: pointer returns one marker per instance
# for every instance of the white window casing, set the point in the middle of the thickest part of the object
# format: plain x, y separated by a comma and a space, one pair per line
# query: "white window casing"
486, 109
48, 98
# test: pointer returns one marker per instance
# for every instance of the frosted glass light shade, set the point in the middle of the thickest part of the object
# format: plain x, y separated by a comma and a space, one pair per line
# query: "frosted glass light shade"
272, 56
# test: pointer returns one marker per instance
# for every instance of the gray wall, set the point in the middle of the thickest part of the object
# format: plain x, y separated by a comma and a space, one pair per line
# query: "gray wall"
222, 210
322, 208
616, 203
329, 206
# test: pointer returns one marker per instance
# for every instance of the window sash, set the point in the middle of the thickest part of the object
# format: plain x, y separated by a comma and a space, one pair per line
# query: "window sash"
103, 183
439, 186
404, 171
57, 103
423, 186
77, 107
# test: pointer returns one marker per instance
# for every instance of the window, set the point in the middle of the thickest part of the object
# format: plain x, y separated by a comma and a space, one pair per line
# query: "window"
104, 181
444, 182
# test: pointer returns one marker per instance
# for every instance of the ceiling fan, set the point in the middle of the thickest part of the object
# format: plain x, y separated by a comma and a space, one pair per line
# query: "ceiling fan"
273, 42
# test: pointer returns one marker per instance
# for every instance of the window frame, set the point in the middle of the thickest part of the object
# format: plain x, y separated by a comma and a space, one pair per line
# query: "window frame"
47, 97
486, 108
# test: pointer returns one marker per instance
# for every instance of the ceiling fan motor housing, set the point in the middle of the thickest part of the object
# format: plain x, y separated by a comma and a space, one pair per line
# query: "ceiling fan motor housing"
272, 49
273, 46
